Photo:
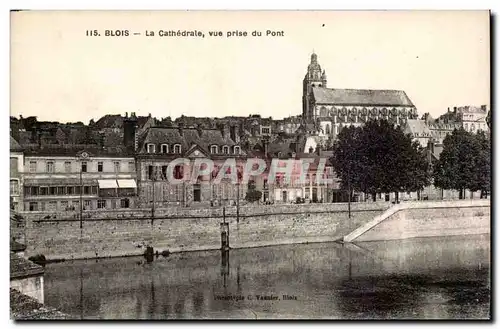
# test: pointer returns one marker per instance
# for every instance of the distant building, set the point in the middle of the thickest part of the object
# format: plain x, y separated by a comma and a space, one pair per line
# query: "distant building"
16, 175
471, 118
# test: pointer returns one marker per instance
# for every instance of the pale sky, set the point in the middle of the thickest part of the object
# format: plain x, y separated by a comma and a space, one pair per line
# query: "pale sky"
439, 58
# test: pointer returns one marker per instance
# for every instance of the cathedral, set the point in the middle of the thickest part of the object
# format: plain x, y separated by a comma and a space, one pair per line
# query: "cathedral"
330, 109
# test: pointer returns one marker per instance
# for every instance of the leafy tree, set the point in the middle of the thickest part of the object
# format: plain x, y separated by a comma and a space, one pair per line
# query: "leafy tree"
379, 157
252, 195
346, 158
464, 163
482, 175
488, 119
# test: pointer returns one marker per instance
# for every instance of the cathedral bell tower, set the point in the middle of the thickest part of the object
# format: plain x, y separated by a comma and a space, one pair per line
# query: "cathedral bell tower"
314, 78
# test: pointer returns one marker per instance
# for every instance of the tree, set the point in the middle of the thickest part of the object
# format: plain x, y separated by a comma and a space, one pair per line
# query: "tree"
346, 158
379, 157
488, 119
481, 180
252, 195
464, 163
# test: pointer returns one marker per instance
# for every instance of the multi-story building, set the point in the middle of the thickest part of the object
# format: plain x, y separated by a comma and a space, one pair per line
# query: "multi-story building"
78, 178
16, 175
473, 118
305, 187
470, 118
159, 146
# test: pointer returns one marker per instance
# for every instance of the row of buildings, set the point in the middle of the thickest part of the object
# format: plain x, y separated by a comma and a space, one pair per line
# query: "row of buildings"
121, 161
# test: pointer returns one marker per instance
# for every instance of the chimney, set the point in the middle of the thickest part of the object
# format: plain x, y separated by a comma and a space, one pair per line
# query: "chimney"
455, 109
129, 131
126, 114
448, 110
265, 143
235, 133
224, 128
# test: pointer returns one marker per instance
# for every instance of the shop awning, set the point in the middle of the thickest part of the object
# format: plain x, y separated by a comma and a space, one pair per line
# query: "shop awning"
126, 183
58, 182
107, 183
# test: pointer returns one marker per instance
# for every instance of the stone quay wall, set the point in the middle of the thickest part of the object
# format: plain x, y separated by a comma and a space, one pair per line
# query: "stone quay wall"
128, 232
427, 219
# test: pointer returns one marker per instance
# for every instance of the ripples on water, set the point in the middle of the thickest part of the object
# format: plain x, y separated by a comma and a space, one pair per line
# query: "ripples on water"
430, 278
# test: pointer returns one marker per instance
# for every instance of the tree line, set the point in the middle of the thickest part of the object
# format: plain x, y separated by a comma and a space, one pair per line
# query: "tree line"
380, 158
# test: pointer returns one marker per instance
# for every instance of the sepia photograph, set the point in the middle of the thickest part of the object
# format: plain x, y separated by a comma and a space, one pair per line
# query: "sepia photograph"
250, 165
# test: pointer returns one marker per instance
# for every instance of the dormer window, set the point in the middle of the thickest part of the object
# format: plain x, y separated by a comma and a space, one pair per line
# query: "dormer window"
164, 148
151, 148
225, 149
237, 149
177, 148
214, 149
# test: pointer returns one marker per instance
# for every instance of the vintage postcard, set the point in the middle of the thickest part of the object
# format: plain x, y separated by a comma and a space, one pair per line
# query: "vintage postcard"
250, 165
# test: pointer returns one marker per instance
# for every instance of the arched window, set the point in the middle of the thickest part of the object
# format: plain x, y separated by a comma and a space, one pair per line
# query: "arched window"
164, 148
472, 127
237, 149
225, 149
327, 129
322, 112
177, 148
151, 148
214, 149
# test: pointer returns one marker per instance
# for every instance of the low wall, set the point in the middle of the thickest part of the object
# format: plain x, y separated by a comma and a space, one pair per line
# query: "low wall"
121, 233
426, 219
31, 286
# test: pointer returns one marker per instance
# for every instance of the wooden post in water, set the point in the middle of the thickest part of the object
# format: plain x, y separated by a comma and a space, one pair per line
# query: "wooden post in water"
224, 231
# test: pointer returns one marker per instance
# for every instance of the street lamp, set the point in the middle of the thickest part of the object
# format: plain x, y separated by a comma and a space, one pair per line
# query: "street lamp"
82, 158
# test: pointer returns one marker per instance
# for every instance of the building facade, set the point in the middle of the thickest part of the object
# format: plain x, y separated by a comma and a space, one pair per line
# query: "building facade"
78, 180
16, 176
160, 146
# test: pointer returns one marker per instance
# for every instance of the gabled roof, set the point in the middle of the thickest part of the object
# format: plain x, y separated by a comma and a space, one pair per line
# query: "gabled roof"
190, 136
417, 127
110, 121
367, 97
14, 145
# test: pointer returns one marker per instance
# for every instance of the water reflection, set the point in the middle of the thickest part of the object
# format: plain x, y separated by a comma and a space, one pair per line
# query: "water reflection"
420, 278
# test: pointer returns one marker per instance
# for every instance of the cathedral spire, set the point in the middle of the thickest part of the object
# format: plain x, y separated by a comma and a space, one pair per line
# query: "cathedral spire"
314, 58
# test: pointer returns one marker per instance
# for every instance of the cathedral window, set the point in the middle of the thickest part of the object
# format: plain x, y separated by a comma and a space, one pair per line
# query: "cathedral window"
214, 149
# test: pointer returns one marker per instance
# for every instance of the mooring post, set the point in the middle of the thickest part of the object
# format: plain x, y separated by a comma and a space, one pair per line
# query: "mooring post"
224, 231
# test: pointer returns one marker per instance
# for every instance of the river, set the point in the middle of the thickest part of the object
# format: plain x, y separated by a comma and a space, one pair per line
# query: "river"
427, 278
